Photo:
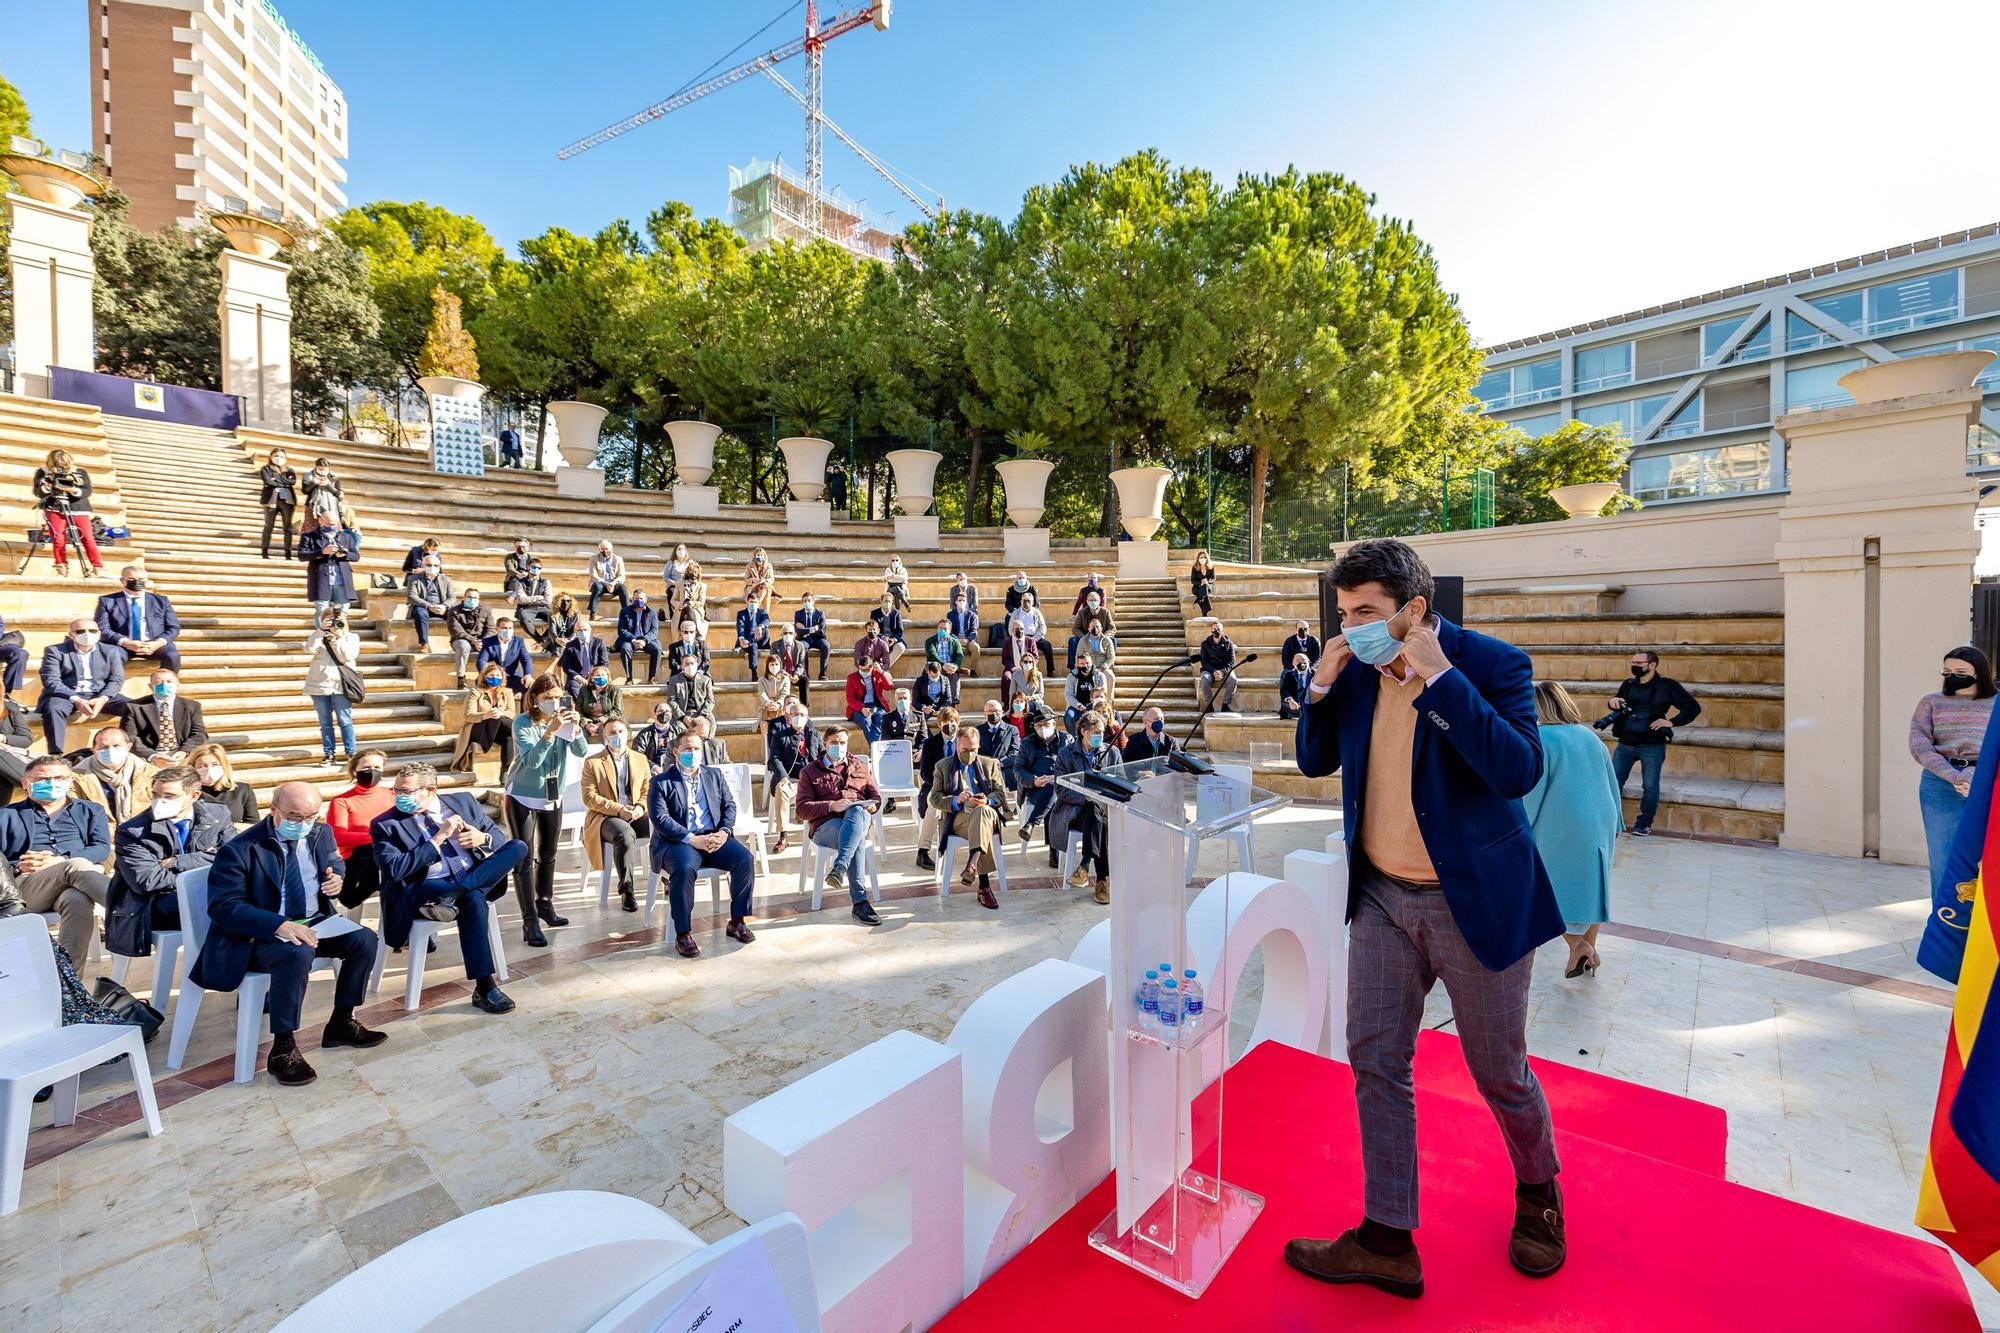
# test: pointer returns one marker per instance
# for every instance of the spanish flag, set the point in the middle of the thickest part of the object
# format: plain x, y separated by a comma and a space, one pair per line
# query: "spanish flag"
1959, 1200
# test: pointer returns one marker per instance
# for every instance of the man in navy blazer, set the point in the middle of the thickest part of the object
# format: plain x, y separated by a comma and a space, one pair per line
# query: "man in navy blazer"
1432, 730
506, 648
142, 623
692, 812
81, 678
443, 857
639, 627
268, 888
583, 654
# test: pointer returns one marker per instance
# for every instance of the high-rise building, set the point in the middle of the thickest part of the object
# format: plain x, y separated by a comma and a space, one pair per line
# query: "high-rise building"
200, 103
769, 202
1696, 383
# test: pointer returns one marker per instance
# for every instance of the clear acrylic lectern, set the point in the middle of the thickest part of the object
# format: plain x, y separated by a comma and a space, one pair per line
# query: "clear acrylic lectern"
1176, 1218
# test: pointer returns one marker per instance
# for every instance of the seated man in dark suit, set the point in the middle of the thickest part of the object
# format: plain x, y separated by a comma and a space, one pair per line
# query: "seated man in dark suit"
13, 662
753, 632
443, 858
181, 832
583, 654
166, 727
692, 812
809, 622
271, 891
140, 622
1000, 741
639, 628
81, 678
509, 651
15, 739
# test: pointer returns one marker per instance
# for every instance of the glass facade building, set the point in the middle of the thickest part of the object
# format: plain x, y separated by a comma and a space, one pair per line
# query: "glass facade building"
1695, 384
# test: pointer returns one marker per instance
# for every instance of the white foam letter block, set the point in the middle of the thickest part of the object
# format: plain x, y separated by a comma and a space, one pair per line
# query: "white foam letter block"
697, 501
1094, 951
580, 483
917, 532
808, 516
1324, 878
1024, 546
867, 1152
1250, 910
1142, 560
1037, 1082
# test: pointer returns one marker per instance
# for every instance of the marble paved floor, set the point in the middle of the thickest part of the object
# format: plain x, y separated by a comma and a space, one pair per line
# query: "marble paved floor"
620, 1064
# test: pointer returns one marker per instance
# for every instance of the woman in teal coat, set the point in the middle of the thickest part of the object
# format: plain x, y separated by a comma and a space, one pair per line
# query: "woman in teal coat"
1575, 812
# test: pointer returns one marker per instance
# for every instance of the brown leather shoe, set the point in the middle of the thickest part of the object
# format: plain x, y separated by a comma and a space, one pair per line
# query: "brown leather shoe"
685, 946
1344, 1260
987, 900
1537, 1247
737, 930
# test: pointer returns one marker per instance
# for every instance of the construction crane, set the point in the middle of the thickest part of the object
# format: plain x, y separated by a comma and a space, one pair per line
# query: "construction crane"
813, 45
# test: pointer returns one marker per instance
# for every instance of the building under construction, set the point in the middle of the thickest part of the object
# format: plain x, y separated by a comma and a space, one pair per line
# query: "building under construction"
769, 202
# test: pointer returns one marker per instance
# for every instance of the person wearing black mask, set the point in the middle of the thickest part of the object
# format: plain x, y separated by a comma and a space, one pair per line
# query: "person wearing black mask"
1152, 739
1000, 741
348, 816
1643, 715
1945, 735
1035, 772
280, 498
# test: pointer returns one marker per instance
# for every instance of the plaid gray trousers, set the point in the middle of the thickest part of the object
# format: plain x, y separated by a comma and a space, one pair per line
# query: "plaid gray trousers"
1402, 940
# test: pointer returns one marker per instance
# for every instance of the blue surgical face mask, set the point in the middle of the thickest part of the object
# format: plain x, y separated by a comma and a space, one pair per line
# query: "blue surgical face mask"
46, 789
408, 801
291, 830
1372, 642
1095, 740
836, 752
163, 691
689, 760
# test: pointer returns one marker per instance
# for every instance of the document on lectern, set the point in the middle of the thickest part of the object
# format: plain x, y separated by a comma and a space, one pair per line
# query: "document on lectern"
740, 1295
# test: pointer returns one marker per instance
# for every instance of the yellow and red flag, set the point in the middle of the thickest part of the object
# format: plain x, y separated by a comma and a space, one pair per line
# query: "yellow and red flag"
1959, 1200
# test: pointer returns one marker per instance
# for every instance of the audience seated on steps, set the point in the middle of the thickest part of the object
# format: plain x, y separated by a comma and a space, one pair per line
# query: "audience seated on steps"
774, 692
886, 622
896, 583
547, 738
639, 632
1091, 588
176, 833
690, 694
1082, 689
692, 812
122, 778
962, 590
874, 647
616, 786
564, 616
490, 707
869, 692
655, 740
946, 651
999, 740
15, 741
534, 604
692, 606
837, 796
1034, 627
349, 814
789, 744
218, 783
794, 659
1218, 670
753, 634
760, 581
57, 844
607, 578
673, 574
507, 649
414, 559
963, 622
970, 795
1294, 686
13, 659
517, 568
930, 691
428, 592
1301, 640
809, 623
138, 621
582, 654
597, 701
900, 720
81, 679
441, 857
690, 644
937, 734
1094, 608
166, 726
467, 624
271, 894
1150, 739
713, 751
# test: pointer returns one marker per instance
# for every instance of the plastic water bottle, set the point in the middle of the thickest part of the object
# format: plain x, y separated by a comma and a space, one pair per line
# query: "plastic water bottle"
1170, 1009
1149, 996
1191, 1002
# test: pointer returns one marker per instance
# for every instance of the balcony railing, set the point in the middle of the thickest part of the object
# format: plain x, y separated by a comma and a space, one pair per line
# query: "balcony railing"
1943, 314
1672, 365
1611, 381
1805, 342
1742, 416
1675, 430
1839, 398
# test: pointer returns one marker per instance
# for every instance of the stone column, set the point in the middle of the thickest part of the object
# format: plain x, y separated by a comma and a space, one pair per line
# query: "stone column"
1876, 544
255, 312
50, 267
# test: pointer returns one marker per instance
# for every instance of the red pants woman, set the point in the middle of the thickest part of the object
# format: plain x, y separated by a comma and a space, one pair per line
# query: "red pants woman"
59, 538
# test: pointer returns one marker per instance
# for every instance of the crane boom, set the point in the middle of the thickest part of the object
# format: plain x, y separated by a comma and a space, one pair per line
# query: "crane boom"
924, 206
842, 23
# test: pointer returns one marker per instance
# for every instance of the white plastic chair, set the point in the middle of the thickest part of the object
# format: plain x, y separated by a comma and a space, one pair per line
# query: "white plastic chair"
192, 889
1072, 848
422, 931
814, 859
37, 1050
166, 968
644, 854
953, 841
749, 830
895, 778
96, 946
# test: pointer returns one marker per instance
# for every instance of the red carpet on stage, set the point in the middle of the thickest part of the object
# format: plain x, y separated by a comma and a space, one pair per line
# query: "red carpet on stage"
1653, 1245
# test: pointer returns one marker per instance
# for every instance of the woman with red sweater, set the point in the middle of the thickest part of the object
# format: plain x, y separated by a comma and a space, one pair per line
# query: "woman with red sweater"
349, 814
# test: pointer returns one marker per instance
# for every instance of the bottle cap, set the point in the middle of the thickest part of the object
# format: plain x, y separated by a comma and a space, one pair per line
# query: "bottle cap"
1172, 984
1189, 974
1152, 974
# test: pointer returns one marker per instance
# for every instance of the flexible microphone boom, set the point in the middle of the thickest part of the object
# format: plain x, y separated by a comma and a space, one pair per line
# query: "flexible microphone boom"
1205, 708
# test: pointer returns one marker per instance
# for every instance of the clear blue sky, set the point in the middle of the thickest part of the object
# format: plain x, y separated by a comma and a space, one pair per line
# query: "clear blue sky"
1567, 159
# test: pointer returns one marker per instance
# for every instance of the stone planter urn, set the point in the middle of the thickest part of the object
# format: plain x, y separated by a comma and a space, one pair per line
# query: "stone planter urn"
694, 450
1915, 375
1142, 494
249, 234
1585, 499
48, 181
916, 478
577, 425
1027, 483
451, 386
805, 464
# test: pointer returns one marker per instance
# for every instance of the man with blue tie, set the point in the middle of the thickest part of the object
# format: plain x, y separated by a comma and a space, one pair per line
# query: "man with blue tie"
271, 894
80, 679
692, 812
179, 833
583, 654
443, 858
506, 649
140, 622
639, 628
810, 623
753, 632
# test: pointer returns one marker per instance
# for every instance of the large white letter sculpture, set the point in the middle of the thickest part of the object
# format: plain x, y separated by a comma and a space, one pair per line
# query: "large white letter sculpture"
1280, 916
1323, 875
1037, 1107
868, 1153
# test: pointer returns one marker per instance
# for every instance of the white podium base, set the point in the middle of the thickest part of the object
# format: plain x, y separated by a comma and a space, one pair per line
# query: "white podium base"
697, 501
1142, 560
1184, 1239
917, 532
808, 516
1025, 546
583, 483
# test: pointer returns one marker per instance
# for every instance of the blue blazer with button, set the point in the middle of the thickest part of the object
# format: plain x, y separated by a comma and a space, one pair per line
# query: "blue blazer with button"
246, 898
114, 617
404, 854
1477, 752
667, 807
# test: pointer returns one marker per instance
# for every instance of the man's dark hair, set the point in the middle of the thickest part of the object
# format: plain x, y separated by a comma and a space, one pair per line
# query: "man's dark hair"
1649, 655
1393, 564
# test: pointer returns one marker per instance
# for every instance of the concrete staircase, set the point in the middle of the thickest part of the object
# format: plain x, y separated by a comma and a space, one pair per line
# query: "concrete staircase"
1150, 638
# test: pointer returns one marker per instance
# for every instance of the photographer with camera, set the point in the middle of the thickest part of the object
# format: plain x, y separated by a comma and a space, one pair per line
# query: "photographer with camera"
332, 646
62, 489
1643, 716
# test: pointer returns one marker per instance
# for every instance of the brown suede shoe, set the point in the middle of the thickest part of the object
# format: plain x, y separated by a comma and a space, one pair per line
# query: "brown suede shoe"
1344, 1260
1536, 1247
